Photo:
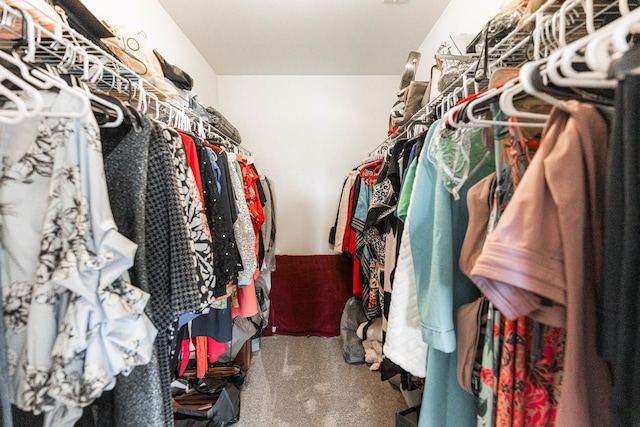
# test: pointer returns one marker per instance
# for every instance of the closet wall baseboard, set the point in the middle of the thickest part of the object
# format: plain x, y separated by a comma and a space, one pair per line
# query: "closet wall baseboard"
308, 294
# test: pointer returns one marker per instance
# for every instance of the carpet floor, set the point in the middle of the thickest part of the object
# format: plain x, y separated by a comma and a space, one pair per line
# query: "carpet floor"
304, 382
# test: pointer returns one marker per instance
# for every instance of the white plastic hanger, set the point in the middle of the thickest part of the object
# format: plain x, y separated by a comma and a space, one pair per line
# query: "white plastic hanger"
591, 79
526, 80
453, 118
597, 54
588, 8
85, 90
623, 29
567, 14
45, 81
508, 107
142, 99
153, 97
623, 6
492, 93
21, 111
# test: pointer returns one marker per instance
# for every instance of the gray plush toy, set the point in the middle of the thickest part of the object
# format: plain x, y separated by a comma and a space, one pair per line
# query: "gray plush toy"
352, 317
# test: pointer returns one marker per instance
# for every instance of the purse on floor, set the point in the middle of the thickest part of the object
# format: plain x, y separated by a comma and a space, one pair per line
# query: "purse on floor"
229, 372
210, 403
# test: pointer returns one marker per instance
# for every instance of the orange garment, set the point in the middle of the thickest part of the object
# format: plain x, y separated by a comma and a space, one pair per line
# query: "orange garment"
202, 366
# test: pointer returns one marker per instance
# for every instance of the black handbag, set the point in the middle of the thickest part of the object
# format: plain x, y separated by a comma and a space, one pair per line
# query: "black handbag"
211, 403
179, 77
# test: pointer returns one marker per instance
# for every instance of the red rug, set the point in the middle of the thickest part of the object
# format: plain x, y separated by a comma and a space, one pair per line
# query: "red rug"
308, 294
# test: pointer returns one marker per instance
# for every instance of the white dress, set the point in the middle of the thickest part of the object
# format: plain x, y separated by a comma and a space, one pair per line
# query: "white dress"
73, 322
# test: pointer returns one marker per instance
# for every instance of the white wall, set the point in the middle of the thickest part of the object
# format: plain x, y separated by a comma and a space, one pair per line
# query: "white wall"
306, 133
165, 36
460, 17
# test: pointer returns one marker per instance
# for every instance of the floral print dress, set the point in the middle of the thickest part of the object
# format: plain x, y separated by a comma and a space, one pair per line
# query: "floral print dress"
73, 321
522, 360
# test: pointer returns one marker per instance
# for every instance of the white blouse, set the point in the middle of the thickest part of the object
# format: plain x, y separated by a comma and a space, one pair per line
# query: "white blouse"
73, 321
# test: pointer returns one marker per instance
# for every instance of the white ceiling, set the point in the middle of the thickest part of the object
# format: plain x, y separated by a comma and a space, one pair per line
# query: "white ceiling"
305, 37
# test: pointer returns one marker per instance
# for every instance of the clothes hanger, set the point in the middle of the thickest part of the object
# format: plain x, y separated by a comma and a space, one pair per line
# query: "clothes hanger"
69, 59
377, 165
201, 133
489, 95
622, 31
42, 80
456, 116
20, 110
478, 122
598, 56
156, 109
142, 99
590, 21
571, 78
185, 120
532, 83
623, 6
111, 109
370, 164
546, 31
508, 107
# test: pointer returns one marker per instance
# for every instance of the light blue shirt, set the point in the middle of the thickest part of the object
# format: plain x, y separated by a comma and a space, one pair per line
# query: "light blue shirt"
437, 226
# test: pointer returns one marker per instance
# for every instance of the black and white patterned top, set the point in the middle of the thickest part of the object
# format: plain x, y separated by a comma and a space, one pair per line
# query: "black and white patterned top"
73, 321
196, 220
171, 259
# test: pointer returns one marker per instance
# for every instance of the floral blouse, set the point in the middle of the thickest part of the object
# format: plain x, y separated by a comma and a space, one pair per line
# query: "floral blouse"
73, 321
522, 361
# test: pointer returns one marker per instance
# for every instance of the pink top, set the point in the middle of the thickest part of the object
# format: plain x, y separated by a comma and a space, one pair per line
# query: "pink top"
548, 244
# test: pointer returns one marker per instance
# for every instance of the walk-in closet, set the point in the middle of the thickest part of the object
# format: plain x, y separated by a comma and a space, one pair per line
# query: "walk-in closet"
337, 213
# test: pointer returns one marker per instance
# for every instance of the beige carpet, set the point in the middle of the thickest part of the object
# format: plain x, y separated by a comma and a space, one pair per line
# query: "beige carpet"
304, 382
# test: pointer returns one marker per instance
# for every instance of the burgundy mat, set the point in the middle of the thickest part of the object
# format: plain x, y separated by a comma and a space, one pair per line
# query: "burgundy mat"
308, 294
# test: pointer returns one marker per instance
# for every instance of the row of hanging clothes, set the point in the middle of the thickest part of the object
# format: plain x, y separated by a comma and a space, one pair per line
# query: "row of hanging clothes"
122, 225
504, 238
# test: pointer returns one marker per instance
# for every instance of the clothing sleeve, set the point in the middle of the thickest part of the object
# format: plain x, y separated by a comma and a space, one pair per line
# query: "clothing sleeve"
527, 237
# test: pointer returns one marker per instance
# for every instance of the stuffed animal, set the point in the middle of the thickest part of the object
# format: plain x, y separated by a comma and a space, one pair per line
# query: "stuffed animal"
352, 316
371, 335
